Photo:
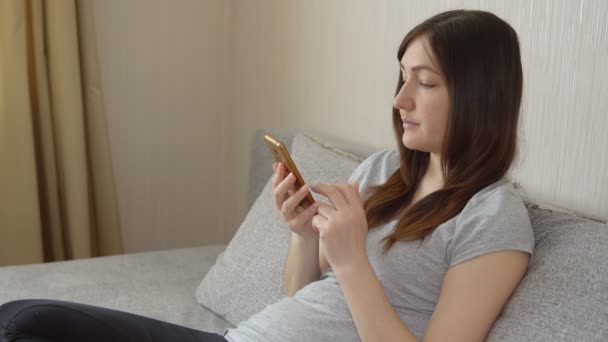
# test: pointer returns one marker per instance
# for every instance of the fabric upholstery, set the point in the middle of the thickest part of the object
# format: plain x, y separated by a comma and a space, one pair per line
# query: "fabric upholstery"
157, 284
564, 295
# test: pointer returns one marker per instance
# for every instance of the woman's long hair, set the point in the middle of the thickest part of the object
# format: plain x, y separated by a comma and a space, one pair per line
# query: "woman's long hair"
479, 56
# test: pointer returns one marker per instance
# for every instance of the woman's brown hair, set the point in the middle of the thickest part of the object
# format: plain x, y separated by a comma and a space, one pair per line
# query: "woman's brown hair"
479, 56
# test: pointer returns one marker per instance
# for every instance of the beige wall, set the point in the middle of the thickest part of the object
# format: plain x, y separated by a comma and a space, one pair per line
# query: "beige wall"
324, 66
331, 66
162, 72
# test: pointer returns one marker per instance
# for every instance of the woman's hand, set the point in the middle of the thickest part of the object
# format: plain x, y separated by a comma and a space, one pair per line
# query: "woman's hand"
343, 226
288, 203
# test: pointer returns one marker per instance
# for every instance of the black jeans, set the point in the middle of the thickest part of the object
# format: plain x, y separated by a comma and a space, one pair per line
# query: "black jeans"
55, 320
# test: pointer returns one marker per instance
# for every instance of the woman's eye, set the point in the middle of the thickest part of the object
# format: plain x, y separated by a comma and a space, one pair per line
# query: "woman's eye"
425, 85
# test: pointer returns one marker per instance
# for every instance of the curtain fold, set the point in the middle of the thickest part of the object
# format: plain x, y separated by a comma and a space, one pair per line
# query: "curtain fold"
57, 191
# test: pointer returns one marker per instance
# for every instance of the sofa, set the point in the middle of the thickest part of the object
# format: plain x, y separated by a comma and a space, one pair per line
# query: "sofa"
563, 296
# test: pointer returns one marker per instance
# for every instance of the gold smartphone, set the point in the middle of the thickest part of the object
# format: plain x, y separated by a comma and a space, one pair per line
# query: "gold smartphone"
281, 154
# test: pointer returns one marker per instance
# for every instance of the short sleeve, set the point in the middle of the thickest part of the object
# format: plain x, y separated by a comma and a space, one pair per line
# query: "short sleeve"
360, 170
499, 222
375, 169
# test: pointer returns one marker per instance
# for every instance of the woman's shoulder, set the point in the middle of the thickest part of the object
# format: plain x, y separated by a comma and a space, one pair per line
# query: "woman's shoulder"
494, 219
500, 197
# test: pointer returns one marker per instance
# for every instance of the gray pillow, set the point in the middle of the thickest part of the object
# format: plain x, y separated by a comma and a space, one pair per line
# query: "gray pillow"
564, 295
248, 275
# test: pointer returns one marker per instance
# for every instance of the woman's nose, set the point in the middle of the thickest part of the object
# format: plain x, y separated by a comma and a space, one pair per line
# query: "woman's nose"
402, 100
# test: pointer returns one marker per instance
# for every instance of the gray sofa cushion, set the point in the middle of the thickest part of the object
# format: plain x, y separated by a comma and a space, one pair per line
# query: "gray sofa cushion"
248, 274
157, 284
564, 295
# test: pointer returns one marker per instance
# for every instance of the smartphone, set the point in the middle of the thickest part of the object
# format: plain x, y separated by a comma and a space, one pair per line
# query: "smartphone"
281, 154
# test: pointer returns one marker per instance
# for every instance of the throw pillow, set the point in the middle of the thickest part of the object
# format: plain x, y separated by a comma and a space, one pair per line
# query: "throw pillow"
248, 275
564, 295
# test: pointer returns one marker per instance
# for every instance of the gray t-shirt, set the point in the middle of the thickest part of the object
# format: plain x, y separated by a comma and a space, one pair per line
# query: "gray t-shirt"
494, 219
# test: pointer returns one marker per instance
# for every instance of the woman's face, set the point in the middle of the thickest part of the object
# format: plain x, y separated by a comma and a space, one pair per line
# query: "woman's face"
423, 99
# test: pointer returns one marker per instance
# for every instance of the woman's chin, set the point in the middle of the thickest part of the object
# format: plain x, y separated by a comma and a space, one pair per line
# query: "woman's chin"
408, 143
412, 145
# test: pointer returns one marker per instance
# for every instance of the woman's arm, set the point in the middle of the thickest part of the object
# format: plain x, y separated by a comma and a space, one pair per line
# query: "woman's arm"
302, 264
472, 296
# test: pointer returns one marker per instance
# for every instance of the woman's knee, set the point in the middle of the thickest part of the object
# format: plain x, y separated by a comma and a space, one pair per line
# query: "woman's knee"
9, 310
16, 317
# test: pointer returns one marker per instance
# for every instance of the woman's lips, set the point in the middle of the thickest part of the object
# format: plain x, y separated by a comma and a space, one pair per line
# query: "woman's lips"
409, 124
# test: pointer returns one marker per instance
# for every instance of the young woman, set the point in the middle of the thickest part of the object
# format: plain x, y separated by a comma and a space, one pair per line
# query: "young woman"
425, 242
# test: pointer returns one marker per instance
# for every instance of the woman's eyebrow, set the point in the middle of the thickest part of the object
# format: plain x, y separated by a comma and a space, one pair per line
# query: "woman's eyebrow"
420, 67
